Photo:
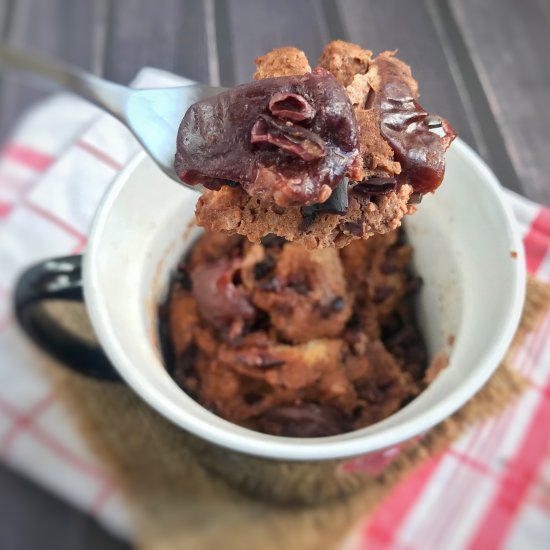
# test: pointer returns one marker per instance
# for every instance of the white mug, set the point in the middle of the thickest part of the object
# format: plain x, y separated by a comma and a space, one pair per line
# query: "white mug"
466, 249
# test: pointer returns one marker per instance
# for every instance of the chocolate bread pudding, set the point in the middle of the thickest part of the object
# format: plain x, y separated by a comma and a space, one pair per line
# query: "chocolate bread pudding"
292, 315
320, 157
296, 342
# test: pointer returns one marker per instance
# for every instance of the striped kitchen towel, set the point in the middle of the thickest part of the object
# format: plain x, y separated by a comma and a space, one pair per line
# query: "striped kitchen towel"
491, 489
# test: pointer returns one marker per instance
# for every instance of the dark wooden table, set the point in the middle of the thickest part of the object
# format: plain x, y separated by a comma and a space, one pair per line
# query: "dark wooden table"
483, 64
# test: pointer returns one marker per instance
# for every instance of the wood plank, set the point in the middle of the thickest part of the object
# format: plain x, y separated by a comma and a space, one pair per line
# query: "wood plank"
256, 26
65, 29
490, 140
408, 27
70, 30
5, 8
169, 34
509, 43
32, 518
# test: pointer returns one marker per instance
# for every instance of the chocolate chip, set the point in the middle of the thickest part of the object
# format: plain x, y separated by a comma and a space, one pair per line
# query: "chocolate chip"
307, 222
165, 336
237, 278
354, 322
353, 228
381, 293
433, 121
385, 385
163, 312
415, 198
301, 288
337, 203
184, 276
264, 268
252, 398
414, 284
185, 373
262, 322
387, 267
272, 241
401, 239
406, 335
406, 400
377, 185
230, 183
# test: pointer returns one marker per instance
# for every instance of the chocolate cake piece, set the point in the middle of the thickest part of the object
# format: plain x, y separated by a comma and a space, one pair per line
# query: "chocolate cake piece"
266, 182
298, 342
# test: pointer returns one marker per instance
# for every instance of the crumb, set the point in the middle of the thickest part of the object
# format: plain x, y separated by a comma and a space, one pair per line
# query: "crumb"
287, 61
344, 60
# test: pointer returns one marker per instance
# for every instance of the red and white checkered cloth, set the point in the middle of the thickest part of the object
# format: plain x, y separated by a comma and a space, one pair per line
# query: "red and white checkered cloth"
490, 490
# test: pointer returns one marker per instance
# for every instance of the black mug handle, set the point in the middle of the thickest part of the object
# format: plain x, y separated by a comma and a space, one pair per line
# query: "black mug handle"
58, 279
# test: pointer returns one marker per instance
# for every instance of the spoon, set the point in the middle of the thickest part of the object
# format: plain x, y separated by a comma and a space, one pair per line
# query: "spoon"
152, 115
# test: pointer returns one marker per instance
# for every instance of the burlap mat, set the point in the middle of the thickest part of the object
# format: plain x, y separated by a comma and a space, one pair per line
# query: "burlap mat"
177, 504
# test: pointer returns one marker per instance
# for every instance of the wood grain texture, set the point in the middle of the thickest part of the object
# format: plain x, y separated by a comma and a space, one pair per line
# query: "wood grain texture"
65, 29
5, 8
256, 26
408, 27
168, 34
31, 519
489, 140
509, 43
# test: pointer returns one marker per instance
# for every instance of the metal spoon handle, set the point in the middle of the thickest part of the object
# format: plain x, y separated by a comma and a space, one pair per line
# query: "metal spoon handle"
107, 95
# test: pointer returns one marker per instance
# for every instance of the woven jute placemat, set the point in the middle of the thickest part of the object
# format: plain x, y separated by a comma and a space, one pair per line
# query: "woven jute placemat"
177, 504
